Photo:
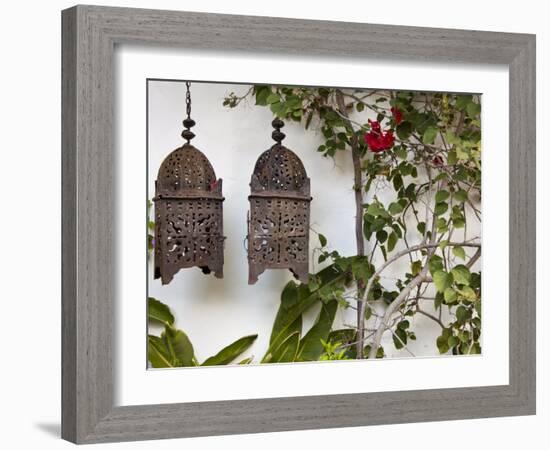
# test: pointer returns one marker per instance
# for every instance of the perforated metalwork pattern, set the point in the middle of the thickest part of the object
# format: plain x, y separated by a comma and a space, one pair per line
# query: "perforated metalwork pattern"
278, 225
188, 215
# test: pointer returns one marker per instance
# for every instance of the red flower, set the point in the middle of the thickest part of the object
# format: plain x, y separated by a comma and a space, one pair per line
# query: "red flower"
397, 115
378, 140
437, 161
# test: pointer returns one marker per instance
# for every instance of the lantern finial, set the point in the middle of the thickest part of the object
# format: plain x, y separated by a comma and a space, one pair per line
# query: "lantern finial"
277, 134
188, 123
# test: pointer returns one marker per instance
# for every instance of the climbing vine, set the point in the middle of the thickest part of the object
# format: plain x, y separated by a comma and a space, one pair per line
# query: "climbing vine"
417, 185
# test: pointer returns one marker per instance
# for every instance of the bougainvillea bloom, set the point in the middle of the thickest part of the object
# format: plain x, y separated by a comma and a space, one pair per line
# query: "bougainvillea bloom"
397, 115
378, 140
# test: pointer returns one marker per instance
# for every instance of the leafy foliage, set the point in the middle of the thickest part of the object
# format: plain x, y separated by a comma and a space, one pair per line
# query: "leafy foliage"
426, 149
174, 349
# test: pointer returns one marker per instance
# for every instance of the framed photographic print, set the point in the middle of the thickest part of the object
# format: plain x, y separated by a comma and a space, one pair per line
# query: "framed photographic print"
266, 230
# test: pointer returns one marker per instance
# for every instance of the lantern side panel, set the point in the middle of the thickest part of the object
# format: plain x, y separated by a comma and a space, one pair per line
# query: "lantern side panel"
278, 236
189, 234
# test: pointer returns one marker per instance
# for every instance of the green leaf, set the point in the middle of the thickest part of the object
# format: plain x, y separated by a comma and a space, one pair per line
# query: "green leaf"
229, 353
246, 361
450, 295
441, 196
311, 348
295, 300
157, 352
416, 267
461, 274
180, 347
374, 209
462, 314
441, 208
159, 312
286, 352
462, 101
322, 240
262, 93
460, 196
392, 241
435, 263
452, 158
272, 98
442, 280
468, 293
401, 152
404, 130
395, 208
399, 338
459, 252
421, 227
381, 236
473, 110
429, 135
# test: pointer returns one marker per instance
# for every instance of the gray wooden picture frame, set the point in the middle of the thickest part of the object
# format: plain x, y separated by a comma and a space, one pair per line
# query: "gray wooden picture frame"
90, 34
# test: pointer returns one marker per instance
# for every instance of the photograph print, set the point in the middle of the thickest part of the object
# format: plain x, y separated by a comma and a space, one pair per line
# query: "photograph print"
296, 224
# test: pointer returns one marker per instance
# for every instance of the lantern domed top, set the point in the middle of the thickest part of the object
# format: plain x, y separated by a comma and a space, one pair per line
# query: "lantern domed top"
185, 170
279, 168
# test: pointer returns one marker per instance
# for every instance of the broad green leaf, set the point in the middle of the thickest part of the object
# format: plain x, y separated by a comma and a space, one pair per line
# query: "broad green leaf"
473, 110
381, 236
180, 347
462, 314
229, 353
441, 208
459, 252
272, 98
450, 295
452, 341
461, 274
399, 338
468, 293
159, 312
435, 263
401, 152
374, 209
297, 300
441, 195
452, 159
404, 130
262, 92
322, 240
311, 348
395, 208
462, 101
157, 353
286, 352
442, 280
460, 196
429, 135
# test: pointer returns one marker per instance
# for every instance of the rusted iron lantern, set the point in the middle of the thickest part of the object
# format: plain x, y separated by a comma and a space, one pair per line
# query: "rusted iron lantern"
278, 221
188, 211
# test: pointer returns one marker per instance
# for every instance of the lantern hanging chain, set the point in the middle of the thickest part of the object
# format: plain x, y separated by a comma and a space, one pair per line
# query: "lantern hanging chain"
187, 134
188, 100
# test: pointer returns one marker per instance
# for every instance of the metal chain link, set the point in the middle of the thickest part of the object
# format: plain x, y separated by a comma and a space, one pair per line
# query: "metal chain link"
188, 99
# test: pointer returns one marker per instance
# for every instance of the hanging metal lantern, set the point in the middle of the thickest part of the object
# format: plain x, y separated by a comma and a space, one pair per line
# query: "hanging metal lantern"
278, 221
188, 211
